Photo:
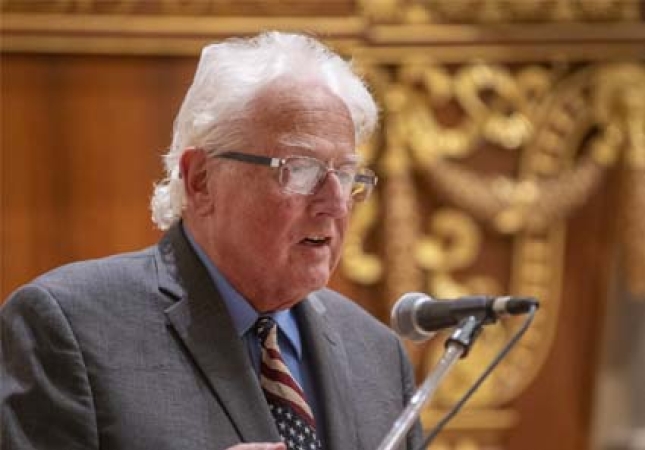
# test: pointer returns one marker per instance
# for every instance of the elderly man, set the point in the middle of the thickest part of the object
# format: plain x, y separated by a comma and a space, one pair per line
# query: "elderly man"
222, 335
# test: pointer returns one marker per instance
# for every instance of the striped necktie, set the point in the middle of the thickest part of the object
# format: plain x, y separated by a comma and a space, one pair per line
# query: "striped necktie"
285, 397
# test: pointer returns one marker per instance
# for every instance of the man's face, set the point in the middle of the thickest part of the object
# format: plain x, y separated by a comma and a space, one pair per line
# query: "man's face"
276, 247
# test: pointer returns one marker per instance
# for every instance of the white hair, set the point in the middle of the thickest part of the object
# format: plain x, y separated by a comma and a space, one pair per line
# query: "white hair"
228, 77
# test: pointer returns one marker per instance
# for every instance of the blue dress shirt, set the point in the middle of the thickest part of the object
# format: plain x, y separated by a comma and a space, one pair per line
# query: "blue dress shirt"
244, 317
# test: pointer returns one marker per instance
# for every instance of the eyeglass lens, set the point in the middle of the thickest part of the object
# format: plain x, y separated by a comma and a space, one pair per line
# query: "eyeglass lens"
302, 175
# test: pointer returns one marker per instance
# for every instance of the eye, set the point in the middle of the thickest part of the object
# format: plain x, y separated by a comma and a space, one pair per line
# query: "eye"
302, 167
300, 174
345, 177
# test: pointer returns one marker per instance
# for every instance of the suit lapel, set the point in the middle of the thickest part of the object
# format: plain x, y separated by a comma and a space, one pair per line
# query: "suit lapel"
202, 323
328, 358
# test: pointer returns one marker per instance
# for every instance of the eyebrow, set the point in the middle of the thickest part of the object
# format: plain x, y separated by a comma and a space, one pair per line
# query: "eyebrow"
295, 140
305, 148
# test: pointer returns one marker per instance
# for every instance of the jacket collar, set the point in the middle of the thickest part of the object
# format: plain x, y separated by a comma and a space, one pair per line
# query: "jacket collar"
205, 328
327, 351
202, 323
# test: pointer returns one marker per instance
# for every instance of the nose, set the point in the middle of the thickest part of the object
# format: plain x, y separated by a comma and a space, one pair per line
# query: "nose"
330, 198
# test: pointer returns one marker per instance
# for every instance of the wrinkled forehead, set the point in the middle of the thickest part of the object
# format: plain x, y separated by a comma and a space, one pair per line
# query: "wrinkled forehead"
290, 144
303, 116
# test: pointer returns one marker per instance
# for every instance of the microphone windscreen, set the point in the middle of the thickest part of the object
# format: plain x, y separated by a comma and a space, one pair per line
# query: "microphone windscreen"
403, 317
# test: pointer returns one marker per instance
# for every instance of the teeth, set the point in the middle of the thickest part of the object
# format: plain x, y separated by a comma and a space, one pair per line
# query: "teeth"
316, 240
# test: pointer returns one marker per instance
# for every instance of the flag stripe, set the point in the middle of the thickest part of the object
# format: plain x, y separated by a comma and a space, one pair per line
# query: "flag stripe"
283, 378
286, 394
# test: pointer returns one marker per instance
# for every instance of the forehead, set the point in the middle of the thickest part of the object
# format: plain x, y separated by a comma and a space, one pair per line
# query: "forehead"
303, 117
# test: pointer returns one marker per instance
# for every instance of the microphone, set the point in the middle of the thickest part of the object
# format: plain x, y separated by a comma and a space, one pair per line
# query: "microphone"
417, 317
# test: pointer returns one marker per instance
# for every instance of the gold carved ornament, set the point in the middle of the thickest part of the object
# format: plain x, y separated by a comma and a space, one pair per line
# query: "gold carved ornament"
496, 11
620, 108
544, 119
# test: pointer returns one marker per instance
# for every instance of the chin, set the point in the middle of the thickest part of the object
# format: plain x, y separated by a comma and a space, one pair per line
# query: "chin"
315, 283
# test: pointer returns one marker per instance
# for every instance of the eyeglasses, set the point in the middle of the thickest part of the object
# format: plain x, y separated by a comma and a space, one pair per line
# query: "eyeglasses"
303, 175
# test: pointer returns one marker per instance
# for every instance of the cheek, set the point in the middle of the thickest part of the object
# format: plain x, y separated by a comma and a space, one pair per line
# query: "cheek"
274, 223
338, 244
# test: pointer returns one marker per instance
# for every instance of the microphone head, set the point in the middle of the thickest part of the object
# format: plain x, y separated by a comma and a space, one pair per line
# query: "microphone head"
403, 317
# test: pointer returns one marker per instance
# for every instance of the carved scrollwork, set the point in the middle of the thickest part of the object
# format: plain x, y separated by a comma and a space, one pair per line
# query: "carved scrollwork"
620, 107
561, 128
553, 184
501, 121
496, 11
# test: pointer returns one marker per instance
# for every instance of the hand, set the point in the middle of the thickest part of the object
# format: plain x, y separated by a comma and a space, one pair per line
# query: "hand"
260, 446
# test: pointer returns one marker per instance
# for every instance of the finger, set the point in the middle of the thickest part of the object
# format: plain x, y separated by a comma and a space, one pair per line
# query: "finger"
260, 446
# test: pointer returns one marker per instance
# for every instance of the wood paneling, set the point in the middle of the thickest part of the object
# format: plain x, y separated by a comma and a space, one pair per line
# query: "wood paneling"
555, 411
82, 139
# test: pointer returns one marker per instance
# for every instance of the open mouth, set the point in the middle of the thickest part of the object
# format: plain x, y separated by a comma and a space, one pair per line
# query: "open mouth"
316, 241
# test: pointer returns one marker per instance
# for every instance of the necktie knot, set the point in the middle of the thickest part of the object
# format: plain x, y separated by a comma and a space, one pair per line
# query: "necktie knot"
263, 327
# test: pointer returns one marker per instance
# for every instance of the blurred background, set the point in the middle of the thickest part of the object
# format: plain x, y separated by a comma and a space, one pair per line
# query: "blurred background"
511, 155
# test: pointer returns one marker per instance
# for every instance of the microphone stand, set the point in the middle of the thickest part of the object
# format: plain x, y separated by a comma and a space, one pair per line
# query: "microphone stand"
457, 346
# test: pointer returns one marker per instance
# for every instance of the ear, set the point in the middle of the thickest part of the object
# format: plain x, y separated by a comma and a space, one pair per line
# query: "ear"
194, 172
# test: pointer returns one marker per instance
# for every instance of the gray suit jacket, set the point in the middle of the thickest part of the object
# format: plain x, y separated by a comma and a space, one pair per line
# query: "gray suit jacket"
137, 351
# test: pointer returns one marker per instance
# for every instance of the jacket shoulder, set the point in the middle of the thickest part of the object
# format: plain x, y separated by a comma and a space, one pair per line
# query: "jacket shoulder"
93, 278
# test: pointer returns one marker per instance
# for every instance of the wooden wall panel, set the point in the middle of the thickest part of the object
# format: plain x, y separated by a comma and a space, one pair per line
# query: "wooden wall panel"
82, 139
556, 408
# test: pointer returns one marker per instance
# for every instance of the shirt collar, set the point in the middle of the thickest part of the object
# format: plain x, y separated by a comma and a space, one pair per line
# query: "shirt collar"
240, 310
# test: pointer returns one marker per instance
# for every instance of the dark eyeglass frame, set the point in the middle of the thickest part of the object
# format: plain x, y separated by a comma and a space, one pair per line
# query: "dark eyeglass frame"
369, 179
